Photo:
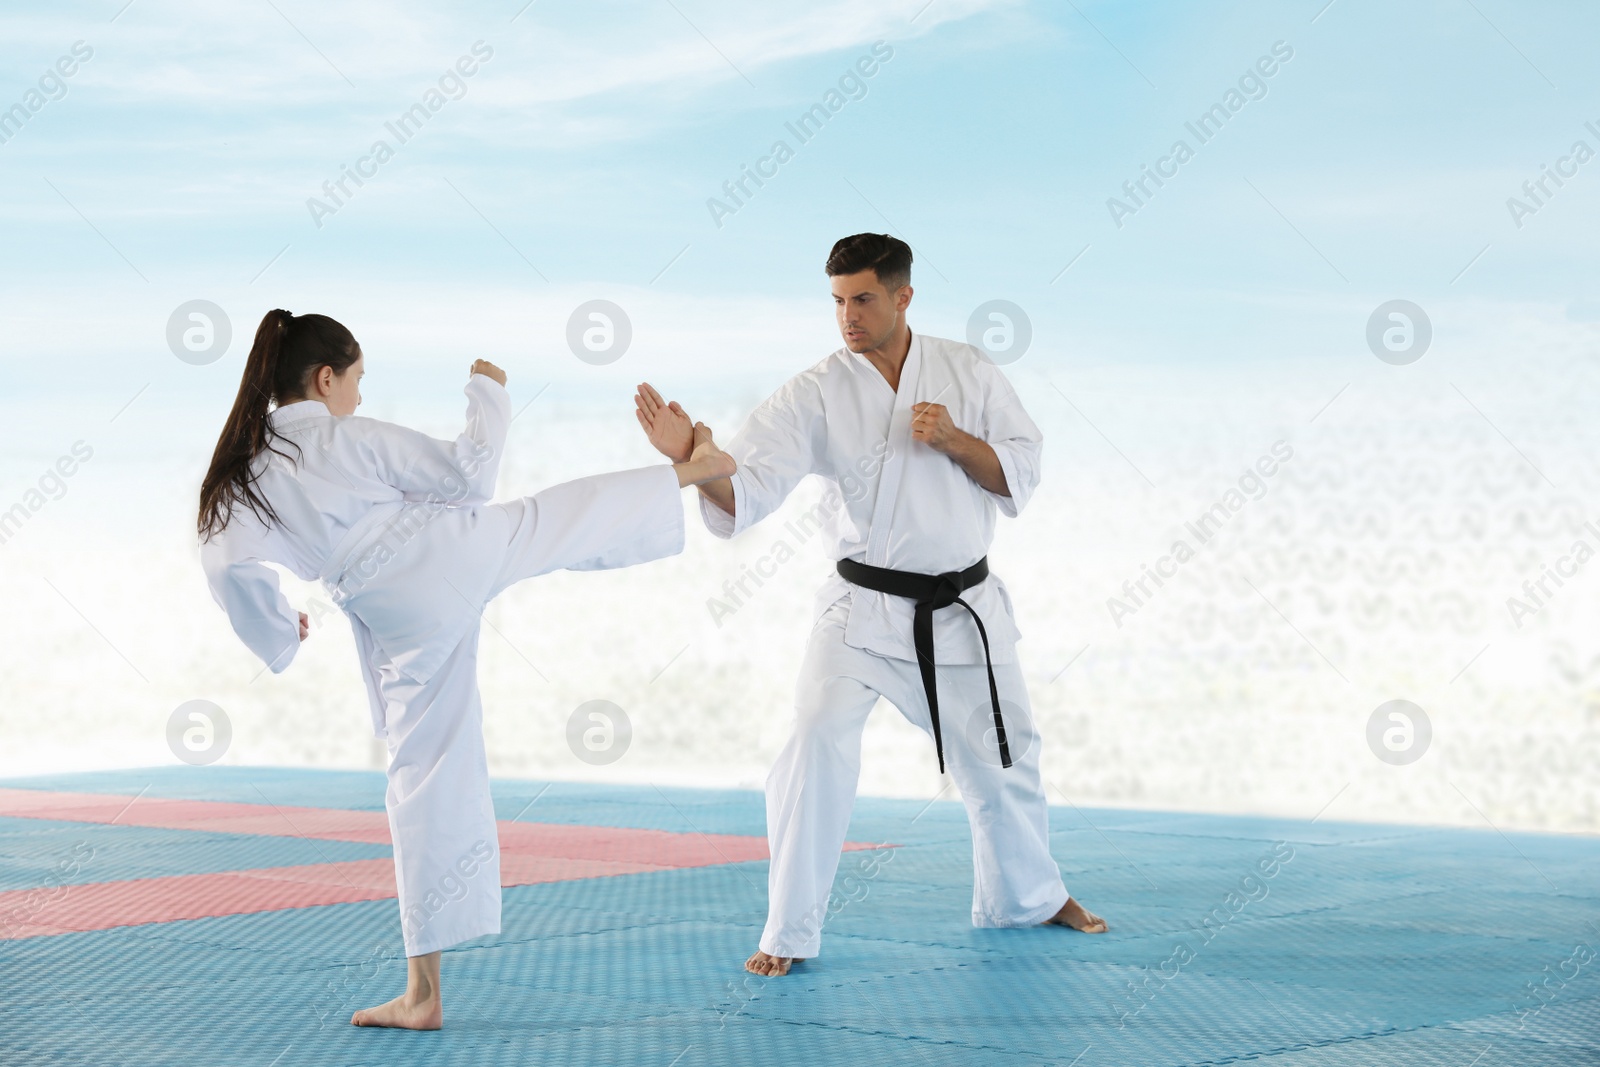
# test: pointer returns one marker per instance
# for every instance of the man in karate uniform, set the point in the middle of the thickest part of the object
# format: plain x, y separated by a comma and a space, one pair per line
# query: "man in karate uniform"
923, 439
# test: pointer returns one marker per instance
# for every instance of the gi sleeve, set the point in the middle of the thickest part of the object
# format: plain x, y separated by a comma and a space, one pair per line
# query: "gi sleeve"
781, 442
1015, 439
247, 589
462, 471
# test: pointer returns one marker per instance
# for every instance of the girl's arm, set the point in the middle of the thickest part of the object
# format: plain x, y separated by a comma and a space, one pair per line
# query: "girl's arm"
462, 471
248, 591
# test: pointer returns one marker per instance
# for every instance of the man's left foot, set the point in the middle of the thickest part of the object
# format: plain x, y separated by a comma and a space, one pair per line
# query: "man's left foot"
403, 1013
1079, 918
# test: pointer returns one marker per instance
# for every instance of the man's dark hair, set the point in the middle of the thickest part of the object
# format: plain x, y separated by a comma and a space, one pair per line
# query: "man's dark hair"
887, 257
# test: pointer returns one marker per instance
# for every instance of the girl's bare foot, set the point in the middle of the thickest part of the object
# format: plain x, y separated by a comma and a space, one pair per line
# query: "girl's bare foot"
1079, 918
403, 1013
418, 1008
707, 463
771, 966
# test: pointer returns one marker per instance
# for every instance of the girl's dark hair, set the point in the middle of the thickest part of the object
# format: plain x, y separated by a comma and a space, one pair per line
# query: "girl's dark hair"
288, 350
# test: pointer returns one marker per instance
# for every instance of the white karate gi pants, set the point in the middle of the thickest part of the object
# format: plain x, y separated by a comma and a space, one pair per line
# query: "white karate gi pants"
441, 817
812, 787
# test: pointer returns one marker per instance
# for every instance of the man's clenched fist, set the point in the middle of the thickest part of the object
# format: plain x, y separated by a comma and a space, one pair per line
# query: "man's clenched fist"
931, 424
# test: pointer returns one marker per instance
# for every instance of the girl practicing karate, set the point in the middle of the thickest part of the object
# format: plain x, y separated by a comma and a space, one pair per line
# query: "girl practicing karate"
398, 527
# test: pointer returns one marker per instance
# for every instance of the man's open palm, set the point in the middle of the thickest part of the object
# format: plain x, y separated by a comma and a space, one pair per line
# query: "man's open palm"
668, 426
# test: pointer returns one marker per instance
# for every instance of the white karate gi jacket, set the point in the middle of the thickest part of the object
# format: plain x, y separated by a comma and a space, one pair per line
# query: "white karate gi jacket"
892, 501
380, 513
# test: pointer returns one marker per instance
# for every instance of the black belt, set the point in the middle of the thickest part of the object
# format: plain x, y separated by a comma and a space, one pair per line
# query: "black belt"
932, 592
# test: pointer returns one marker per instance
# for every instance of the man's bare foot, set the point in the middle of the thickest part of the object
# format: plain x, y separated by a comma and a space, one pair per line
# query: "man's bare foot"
1079, 918
403, 1014
771, 966
418, 1008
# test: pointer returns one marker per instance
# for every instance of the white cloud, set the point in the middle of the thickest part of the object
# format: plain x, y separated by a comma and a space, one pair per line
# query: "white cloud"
250, 54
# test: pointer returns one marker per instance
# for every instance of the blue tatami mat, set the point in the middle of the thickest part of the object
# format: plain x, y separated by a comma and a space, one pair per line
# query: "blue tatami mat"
1364, 945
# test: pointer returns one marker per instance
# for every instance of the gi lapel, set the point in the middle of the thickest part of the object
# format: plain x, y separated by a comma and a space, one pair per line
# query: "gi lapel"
899, 450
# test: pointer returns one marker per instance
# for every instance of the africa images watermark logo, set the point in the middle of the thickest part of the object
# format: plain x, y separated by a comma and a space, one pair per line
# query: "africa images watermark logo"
198, 732
52, 85
1252, 85
599, 732
451, 85
1538, 592
1252, 485
852, 85
1251, 888
599, 332
736, 592
51, 485
1537, 192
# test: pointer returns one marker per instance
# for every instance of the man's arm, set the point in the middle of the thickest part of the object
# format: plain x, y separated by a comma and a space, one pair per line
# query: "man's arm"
720, 493
671, 431
932, 425
781, 443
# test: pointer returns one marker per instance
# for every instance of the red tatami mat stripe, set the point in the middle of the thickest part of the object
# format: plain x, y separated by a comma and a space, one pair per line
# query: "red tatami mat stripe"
271, 820
662, 848
531, 853
102, 905
26, 913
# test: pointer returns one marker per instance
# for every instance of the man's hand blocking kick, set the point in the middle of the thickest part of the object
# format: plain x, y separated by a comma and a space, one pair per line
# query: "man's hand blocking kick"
668, 426
931, 424
676, 436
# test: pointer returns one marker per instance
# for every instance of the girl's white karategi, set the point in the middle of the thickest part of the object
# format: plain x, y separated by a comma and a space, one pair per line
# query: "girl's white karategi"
895, 502
397, 526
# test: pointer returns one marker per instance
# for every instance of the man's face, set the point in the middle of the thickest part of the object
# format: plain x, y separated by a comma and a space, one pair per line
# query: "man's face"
868, 312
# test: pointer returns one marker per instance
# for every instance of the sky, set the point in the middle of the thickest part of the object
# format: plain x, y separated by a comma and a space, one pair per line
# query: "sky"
578, 160
1370, 155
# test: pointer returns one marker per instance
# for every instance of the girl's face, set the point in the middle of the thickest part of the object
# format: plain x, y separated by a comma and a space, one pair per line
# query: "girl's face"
341, 393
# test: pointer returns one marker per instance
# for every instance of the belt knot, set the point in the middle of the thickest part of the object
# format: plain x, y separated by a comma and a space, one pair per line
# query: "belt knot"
946, 588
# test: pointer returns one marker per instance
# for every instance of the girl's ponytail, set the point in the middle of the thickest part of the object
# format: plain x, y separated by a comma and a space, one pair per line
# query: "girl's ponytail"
285, 351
